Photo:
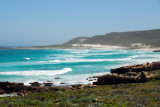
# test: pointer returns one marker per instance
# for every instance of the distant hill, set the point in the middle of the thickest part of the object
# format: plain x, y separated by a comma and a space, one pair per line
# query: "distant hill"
148, 37
131, 40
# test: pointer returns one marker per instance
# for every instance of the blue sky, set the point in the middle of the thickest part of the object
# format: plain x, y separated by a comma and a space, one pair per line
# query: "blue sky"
46, 22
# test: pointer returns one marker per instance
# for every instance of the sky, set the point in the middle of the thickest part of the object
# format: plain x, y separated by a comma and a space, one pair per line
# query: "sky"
49, 22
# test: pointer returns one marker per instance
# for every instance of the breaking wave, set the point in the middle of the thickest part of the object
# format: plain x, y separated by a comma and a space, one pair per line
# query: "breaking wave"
71, 60
37, 72
27, 58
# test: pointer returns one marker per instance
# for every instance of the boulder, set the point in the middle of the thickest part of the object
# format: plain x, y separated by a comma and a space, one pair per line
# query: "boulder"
35, 84
4, 84
143, 77
10, 87
131, 73
95, 77
57, 78
156, 51
78, 86
62, 83
1, 91
110, 79
48, 83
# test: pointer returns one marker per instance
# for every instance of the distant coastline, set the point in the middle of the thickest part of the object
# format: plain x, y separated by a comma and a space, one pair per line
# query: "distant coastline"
148, 39
84, 46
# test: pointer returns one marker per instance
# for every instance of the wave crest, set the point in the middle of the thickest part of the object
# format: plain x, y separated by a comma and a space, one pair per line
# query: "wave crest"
38, 72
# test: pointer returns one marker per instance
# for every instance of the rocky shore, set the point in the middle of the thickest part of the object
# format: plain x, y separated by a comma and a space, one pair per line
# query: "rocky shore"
20, 89
130, 74
139, 73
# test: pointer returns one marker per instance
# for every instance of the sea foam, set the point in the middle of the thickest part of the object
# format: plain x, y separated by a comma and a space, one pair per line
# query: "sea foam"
27, 58
37, 72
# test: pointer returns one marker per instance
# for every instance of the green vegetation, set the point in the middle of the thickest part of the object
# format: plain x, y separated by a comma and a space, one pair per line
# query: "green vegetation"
122, 95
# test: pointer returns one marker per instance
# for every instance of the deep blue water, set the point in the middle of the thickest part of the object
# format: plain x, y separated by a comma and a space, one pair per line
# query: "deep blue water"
71, 65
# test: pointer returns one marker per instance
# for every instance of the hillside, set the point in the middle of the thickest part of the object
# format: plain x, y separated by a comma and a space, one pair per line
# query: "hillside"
132, 39
148, 37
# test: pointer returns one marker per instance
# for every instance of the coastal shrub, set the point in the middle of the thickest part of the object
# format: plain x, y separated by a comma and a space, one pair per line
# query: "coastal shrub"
97, 105
10, 105
143, 100
19, 102
139, 105
157, 98
32, 102
5, 102
71, 97
89, 91
119, 92
121, 95
115, 86
83, 99
75, 105
157, 76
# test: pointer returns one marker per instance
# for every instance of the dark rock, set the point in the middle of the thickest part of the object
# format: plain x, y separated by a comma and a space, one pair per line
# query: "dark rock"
137, 68
156, 51
48, 84
90, 80
78, 86
57, 78
62, 83
95, 77
7, 87
10, 87
1, 91
143, 77
129, 74
110, 79
20, 94
35, 84
3, 84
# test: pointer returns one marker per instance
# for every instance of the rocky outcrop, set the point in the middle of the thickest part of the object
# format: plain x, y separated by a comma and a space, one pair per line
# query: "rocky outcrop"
129, 74
1, 91
78, 86
35, 84
57, 78
10, 87
156, 51
48, 83
21, 89
3, 84
137, 68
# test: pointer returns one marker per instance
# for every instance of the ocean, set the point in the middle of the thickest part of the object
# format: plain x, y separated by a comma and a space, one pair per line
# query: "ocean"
72, 66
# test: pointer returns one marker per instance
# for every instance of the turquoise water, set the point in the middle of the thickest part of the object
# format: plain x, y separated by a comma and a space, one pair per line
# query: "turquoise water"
71, 65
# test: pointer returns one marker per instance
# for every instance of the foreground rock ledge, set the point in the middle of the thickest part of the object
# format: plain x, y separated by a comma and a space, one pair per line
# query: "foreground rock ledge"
12, 87
130, 74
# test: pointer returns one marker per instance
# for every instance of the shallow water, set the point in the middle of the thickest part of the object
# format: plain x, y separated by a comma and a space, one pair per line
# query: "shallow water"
71, 65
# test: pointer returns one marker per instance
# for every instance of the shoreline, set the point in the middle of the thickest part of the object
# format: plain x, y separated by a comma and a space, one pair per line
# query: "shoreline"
107, 48
77, 85
121, 75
